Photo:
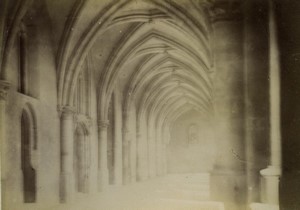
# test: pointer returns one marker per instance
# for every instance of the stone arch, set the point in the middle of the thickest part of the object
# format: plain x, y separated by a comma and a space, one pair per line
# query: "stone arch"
138, 81
110, 75
70, 64
12, 33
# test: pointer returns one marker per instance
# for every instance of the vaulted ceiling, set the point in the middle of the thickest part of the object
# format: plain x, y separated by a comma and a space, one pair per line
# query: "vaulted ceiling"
157, 52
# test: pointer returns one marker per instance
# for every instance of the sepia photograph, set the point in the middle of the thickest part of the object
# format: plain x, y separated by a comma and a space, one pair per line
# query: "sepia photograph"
150, 104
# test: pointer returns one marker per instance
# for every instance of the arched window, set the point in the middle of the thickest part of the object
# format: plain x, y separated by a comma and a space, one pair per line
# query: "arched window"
28, 159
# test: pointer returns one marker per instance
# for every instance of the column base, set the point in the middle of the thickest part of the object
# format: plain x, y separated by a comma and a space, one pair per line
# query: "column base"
262, 206
270, 185
230, 188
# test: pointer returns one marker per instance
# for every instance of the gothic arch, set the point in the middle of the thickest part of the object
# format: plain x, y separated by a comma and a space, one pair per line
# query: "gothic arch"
108, 81
13, 30
91, 33
138, 81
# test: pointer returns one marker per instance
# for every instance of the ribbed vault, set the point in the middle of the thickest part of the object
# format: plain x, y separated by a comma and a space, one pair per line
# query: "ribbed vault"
154, 28
152, 63
152, 59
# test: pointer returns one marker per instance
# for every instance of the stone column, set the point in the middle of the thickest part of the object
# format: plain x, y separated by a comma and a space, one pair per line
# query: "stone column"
151, 150
228, 176
164, 158
142, 153
117, 144
67, 145
158, 151
270, 175
4, 86
256, 53
133, 144
126, 149
102, 155
166, 141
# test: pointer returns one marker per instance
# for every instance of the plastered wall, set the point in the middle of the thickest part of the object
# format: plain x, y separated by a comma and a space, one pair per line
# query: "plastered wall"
191, 147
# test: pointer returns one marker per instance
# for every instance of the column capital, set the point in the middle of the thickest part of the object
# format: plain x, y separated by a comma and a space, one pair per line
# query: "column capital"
271, 171
4, 87
103, 123
66, 111
223, 10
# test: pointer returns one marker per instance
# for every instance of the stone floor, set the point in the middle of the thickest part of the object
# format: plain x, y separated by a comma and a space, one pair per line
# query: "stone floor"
172, 192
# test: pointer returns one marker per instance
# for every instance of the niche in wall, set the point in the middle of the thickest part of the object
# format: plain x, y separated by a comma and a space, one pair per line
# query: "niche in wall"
28, 155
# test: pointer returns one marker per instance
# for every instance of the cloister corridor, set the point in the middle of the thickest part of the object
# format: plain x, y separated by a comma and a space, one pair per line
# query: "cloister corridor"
150, 104
161, 193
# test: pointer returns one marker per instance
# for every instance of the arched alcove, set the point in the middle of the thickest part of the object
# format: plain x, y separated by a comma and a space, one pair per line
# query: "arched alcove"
28, 156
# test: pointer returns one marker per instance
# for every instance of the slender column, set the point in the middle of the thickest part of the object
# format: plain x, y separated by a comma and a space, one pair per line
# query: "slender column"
164, 162
256, 53
142, 156
4, 86
126, 148
151, 150
229, 170
165, 155
158, 152
139, 155
133, 145
67, 144
162, 152
118, 179
270, 179
102, 155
